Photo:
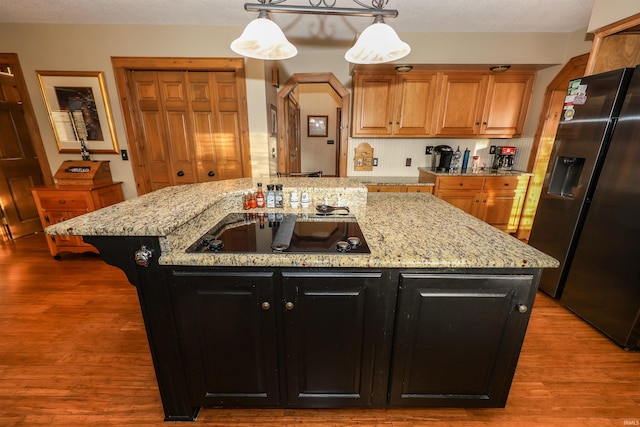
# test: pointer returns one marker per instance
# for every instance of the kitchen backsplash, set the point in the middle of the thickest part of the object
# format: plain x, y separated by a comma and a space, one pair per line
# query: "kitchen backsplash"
392, 154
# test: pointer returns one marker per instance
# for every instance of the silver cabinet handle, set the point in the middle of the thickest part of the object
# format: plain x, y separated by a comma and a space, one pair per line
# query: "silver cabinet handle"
266, 306
289, 306
143, 256
522, 308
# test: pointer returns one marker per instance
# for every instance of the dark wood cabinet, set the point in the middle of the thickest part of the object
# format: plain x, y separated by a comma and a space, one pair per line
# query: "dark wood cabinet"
327, 324
457, 338
330, 324
227, 325
327, 337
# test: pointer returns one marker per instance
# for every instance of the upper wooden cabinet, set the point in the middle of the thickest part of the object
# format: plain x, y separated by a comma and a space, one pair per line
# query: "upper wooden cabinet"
441, 104
393, 104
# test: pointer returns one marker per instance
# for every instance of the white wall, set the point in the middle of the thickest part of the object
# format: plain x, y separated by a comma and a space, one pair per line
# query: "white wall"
90, 48
606, 12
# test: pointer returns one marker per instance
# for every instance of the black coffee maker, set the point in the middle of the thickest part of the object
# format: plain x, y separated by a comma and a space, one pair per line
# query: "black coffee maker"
503, 159
444, 154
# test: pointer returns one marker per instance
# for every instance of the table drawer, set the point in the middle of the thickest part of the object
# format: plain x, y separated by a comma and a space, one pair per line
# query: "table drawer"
65, 201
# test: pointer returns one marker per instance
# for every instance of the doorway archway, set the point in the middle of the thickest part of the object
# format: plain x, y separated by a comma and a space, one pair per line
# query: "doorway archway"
283, 132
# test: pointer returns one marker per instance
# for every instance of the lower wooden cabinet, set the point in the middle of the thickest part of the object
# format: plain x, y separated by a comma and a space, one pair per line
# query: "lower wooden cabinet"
497, 200
400, 188
244, 333
58, 203
327, 338
455, 337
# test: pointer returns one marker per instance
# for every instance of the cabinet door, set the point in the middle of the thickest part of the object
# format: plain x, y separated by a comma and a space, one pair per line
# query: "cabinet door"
330, 336
373, 104
457, 338
506, 104
415, 100
62, 242
461, 99
227, 327
503, 209
467, 200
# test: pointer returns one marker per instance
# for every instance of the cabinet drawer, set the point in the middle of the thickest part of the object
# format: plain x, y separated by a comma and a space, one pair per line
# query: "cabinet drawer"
501, 183
64, 201
420, 189
460, 183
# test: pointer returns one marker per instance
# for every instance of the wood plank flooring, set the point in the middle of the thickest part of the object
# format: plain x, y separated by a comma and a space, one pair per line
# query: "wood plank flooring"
73, 351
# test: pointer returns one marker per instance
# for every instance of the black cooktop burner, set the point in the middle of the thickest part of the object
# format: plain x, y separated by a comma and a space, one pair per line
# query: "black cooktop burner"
283, 233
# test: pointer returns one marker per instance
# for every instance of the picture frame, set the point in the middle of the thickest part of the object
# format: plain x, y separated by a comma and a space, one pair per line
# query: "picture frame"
317, 125
273, 120
78, 106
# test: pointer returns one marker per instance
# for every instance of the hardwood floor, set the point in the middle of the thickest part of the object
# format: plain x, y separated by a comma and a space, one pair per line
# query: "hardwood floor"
73, 351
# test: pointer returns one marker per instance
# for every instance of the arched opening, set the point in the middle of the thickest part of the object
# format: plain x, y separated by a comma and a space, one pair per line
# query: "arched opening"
289, 123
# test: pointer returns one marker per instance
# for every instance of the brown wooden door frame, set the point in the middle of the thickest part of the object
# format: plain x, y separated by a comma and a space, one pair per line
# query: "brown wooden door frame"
13, 223
545, 137
344, 94
123, 65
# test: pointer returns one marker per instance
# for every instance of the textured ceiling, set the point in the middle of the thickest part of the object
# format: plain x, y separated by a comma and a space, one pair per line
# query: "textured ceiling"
414, 15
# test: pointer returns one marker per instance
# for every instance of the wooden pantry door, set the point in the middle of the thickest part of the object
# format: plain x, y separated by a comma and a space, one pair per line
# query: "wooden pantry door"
188, 126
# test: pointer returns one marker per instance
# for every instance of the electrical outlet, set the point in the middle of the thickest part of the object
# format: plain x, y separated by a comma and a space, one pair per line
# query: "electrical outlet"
429, 150
492, 149
408, 161
375, 161
124, 154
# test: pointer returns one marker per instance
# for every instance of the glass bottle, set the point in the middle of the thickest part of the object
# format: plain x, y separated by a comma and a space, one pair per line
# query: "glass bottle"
279, 198
246, 200
252, 200
271, 196
260, 197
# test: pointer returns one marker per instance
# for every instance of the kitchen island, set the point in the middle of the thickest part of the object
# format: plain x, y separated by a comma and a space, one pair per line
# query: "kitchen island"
435, 315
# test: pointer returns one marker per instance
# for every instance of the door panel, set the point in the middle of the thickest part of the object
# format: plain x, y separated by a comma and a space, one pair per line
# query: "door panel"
190, 127
19, 165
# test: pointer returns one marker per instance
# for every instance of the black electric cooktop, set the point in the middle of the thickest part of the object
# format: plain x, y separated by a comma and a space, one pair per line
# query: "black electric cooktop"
263, 233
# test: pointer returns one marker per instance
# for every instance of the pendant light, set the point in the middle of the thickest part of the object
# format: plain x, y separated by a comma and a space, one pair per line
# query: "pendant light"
378, 43
263, 39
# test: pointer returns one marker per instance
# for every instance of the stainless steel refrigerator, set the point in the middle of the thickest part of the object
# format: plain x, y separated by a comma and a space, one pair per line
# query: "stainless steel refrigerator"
589, 211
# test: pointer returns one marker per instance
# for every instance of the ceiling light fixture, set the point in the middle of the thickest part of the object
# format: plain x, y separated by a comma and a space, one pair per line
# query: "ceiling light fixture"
378, 43
499, 68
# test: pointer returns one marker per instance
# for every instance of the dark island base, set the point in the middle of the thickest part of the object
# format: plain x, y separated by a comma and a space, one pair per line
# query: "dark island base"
327, 338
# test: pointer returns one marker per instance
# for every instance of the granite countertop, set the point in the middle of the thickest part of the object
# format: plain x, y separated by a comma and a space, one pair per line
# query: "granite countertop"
486, 172
403, 230
391, 180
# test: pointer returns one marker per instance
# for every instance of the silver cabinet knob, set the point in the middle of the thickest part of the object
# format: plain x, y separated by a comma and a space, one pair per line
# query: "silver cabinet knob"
522, 308
289, 306
143, 256
266, 306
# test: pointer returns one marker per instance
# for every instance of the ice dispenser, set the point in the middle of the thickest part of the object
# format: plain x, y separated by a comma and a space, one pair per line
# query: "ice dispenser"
566, 176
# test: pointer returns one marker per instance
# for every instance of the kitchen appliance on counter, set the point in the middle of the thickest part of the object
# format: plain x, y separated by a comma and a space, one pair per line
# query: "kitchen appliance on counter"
333, 232
441, 158
503, 159
590, 204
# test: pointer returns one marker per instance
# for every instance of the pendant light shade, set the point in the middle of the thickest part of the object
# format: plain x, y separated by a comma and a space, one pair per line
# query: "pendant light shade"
377, 44
263, 39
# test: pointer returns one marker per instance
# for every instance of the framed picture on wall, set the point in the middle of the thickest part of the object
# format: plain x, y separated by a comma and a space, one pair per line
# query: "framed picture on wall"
317, 125
78, 107
273, 120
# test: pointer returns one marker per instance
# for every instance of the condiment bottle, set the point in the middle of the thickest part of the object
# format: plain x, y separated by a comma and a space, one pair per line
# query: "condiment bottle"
246, 200
252, 200
279, 202
271, 196
260, 197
